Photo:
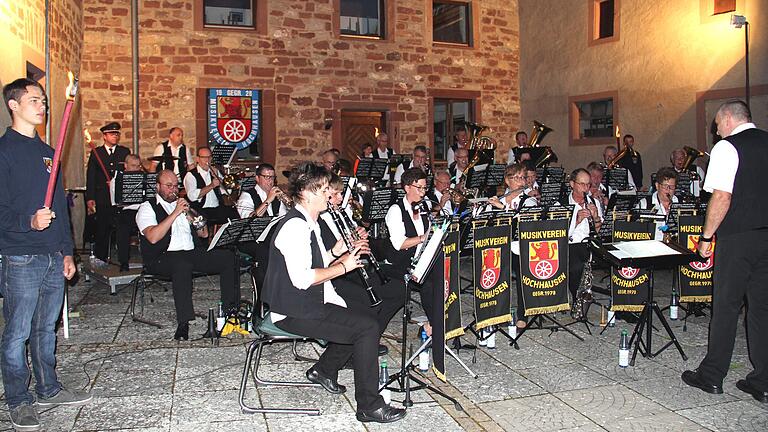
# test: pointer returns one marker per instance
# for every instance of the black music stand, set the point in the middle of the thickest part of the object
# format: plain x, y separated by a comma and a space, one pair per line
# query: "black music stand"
134, 187
675, 255
401, 381
371, 169
222, 154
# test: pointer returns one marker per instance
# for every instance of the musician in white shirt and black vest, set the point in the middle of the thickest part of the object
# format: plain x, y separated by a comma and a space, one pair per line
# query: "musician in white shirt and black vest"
419, 161
168, 249
302, 299
738, 214
408, 225
178, 156
98, 199
585, 218
661, 201
203, 186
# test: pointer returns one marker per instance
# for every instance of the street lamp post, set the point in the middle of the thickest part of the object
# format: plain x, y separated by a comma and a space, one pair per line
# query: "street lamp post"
737, 21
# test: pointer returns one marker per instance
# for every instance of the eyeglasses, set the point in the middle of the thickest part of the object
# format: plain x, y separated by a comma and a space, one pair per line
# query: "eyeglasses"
268, 176
205, 157
170, 185
668, 187
421, 188
515, 177
583, 184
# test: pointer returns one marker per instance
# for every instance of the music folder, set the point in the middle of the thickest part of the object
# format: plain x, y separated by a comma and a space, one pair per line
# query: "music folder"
643, 253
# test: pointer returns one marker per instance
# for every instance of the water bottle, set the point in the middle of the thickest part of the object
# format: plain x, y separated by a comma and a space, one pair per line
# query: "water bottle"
385, 393
491, 341
482, 341
611, 316
424, 354
674, 304
221, 319
624, 349
512, 327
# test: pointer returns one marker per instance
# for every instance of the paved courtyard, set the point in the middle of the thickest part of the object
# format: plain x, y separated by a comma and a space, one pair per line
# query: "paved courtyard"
143, 380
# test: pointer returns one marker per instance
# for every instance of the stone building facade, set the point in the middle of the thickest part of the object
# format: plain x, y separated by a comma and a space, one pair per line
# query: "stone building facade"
668, 65
308, 73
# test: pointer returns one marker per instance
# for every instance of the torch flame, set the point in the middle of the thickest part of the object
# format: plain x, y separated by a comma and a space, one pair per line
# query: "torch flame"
376, 132
87, 136
72, 86
618, 134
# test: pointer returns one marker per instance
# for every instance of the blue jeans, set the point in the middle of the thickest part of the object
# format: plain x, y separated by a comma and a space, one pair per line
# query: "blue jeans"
33, 290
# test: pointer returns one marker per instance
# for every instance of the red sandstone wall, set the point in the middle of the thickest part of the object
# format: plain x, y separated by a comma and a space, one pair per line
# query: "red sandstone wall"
307, 71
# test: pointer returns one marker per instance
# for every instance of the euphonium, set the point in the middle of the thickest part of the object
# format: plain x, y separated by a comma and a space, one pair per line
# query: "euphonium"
477, 142
539, 132
691, 154
615, 161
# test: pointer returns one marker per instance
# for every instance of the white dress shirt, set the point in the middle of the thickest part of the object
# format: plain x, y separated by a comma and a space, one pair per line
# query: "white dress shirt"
723, 163
448, 206
193, 193
245, 204
181, 232
577, 233
656, 205
293, 241
175, 152
400, 171
395, 227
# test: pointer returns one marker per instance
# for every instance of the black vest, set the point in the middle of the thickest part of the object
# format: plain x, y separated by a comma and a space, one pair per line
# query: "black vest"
257, 202
150, 253
169, 164
401, 259
201, 184
329, 238
749, 199
375, 153
279, 293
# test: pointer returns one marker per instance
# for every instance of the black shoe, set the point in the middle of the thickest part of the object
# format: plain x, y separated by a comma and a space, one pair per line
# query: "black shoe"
694, 379
124, 267
327, 383
383, 350
385, 414
182, 332
746, 387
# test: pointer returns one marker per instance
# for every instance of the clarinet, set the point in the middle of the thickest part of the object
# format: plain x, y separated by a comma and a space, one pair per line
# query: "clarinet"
592, 230
352, 233
372, 297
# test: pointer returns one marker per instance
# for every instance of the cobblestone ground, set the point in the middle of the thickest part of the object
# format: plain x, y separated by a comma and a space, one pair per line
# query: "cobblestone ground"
143, 380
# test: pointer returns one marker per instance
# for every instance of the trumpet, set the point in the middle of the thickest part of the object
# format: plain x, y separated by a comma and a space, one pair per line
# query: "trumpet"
196, 220
348, 241
284, 198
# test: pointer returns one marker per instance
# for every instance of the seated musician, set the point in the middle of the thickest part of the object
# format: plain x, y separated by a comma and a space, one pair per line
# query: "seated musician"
531, 185
456, 169
586, 218
599, 191
678, 159
367, 150
302, 297
408, 224
126, 218
419, 161
204, 192
513, 199
521, 139
440, 193
609, 154
460, 140
661, 201
168, 249
350, 285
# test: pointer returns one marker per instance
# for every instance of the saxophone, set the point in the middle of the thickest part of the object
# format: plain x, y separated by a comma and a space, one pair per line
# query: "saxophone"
584, 291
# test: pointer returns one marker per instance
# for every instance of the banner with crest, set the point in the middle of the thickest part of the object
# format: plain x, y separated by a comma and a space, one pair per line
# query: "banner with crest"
233, 117
629, 285
452, 299
492, 262
695, 277
544, 266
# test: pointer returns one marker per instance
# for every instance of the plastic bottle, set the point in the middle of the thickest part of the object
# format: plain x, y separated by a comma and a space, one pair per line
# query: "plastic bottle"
424, 354
674, 304
512, 328
611, 317
624, 349
491, 341
482, 341
383, 378
221, 319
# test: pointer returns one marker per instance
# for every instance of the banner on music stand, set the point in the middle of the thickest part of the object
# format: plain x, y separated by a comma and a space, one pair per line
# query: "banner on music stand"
492, 262
452, 299
544, 266
695, 277
629, 285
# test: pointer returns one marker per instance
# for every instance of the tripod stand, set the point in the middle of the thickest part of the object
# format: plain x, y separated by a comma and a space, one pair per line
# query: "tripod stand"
401, 381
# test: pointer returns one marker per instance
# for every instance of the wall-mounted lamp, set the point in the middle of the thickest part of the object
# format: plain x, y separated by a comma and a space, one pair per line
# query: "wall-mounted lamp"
738, 21
328, 122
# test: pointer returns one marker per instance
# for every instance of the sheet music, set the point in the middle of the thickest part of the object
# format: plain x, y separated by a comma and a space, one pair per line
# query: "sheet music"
642, 249
217, 236
269, 227
427, 257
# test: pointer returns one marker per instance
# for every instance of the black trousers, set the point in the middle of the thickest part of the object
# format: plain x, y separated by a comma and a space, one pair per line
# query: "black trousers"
105, 220
126, 225
741, 270
179, 266
578, 254
392, 295
351, 333
260, 254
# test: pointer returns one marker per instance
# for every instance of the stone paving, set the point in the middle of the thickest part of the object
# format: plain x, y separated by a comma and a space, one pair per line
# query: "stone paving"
144, 381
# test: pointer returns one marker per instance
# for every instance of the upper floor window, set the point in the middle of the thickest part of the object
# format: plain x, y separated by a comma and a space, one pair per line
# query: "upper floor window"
724, 6
603, 20
362, 18
451, 22
229, 13
592, 118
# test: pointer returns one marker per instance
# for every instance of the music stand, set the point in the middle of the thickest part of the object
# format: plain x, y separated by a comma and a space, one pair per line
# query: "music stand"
646, 254
134, 187
418, 271
222, 154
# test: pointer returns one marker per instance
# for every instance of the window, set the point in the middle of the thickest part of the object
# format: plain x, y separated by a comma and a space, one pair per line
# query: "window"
229, 13
724, 6
592, 118
603, 20
449, 117
362, 18
451, 23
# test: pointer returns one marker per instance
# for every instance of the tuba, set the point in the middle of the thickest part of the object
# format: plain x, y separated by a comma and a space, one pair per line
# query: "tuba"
691, 154
546, 158
538, 133
477, 141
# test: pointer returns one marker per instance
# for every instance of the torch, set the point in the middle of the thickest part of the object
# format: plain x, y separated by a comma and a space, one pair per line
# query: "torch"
618, 138
71, 92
